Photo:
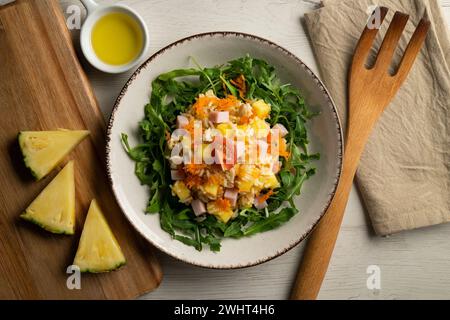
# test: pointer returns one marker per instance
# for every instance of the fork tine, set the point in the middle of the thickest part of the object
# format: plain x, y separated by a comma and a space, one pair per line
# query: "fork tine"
391, 39
367, 38
413, 49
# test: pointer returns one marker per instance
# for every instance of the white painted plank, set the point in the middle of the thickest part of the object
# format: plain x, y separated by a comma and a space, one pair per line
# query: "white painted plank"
413, 264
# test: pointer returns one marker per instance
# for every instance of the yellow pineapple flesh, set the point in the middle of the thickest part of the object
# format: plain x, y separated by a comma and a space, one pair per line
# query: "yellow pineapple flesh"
98, 250
261, 109
54, 208
43, 150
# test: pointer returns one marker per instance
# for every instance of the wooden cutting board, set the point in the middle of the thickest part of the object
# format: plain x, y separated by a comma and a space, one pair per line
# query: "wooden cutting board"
42, 87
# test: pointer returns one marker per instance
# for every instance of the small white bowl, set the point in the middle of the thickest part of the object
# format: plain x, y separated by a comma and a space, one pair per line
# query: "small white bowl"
95, 12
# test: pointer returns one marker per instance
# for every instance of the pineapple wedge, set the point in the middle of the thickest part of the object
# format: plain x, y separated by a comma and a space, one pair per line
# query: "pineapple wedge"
54, 207
261, 109
43, 150
98, 250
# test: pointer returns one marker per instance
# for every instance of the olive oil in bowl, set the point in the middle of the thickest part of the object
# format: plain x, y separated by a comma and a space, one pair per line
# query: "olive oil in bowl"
117, 39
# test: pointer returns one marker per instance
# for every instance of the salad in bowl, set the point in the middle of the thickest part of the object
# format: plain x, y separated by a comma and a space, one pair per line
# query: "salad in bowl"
224, 151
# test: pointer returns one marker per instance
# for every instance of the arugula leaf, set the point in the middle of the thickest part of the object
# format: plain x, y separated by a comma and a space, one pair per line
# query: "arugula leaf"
233, 230
273, 221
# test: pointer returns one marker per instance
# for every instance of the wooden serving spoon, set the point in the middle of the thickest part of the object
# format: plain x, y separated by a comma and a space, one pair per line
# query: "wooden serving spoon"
370, 92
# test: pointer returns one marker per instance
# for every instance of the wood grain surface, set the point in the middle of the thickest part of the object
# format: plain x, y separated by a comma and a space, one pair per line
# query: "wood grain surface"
370, 92
413, 264
43, 87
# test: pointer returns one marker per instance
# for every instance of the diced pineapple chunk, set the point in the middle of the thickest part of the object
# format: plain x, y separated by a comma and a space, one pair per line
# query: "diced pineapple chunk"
247, 176
261, 127
222, 213
248, 172
225, 129
244, 186
270, 181
261, 109
180, 189
211, 189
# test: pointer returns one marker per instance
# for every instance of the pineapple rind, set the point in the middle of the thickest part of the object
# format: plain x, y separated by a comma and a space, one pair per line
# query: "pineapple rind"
113, 268
46, 227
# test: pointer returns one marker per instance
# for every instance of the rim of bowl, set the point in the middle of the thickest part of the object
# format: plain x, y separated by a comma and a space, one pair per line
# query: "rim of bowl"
301, 64
86, 38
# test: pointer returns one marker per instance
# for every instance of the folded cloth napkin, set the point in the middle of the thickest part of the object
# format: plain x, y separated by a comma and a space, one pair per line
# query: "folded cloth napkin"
404, 173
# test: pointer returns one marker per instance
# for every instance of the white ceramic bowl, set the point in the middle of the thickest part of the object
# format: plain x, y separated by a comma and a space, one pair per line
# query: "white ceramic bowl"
95, 12
324, 131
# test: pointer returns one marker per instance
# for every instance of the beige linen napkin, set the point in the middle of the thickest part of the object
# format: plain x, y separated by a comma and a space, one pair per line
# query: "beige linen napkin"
404, 173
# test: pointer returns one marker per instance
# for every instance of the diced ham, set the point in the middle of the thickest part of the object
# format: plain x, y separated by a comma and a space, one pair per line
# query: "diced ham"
219, 116
198, 207
232, 195
182, 122
177, 175
282, 129
260, 204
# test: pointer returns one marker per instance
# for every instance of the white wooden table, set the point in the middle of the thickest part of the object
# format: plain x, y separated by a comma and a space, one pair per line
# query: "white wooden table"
413, 264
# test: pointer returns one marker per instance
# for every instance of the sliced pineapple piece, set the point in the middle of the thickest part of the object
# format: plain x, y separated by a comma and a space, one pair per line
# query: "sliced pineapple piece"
54, 207
43, 150
98, 250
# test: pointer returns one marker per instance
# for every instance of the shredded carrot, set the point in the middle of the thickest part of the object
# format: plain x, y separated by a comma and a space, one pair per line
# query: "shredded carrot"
226, 103
190, 127
193, 181
265, 196
244, 120
201, 103
194, 169
223, 204
215, 179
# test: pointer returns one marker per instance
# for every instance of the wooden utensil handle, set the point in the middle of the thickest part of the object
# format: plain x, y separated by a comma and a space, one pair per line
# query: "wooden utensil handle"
319, 248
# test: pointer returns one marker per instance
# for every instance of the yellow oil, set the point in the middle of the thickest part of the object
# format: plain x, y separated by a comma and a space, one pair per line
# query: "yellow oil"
117, 39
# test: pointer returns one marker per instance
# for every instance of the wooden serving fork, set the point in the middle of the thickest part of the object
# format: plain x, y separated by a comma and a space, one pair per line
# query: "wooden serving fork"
370, 92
